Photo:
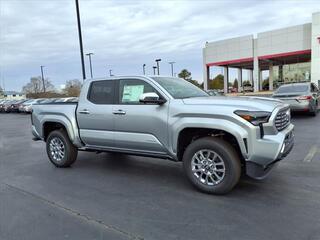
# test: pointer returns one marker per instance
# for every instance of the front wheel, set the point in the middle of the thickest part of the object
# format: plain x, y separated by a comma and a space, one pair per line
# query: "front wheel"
212, 165
61, 152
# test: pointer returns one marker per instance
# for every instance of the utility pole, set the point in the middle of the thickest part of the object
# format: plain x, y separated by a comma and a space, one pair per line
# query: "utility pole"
154, 70
42, 77
157, 61
144, 69
89, 55
171, 63
80, 40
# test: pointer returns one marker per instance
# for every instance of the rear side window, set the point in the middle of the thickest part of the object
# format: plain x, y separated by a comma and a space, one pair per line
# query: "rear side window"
101, 92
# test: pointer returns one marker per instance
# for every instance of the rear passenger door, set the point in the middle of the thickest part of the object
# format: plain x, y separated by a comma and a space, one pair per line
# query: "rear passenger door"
94, 114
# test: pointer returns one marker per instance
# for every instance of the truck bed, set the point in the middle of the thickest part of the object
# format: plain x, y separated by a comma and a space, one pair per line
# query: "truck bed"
64, 113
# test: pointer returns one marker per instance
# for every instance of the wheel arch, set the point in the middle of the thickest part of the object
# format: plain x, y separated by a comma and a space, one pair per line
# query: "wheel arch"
52, 125
189, 134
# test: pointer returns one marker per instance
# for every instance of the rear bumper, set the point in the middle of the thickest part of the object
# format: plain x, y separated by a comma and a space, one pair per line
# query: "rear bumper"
298, 105
260, 168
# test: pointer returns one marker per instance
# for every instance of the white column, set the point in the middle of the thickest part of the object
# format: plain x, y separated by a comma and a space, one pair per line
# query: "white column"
225, 79
256, 74
271, 77
250, 76
205, 70
260, 80
240, 78
315, 48
256, 70
206, 74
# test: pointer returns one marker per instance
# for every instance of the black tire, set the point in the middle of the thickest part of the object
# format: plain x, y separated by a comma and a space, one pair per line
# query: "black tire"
70, 151
226, 153
313, 111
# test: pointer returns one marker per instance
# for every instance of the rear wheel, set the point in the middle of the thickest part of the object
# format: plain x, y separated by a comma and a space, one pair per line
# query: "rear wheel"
314, 110
212, 165
60, 150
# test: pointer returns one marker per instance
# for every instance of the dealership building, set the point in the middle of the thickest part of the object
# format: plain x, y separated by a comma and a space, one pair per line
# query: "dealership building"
286, 55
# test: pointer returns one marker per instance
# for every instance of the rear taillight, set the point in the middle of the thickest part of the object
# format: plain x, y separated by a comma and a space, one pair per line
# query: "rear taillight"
305, 98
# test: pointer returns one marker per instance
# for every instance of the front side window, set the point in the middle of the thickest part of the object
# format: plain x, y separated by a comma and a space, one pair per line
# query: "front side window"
179, 88
130, 91
101, 92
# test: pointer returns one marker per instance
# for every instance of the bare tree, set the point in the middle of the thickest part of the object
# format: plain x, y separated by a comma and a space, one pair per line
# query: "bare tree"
36, 86
72, 88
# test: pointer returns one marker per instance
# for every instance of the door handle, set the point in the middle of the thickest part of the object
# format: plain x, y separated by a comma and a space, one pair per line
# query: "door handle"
119, 112
84, 111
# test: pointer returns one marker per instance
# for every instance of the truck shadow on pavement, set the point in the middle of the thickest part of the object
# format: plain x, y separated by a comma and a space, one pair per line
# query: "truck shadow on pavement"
142, 171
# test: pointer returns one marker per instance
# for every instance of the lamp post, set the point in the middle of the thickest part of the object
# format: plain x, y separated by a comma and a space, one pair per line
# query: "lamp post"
158, 67
89, 55
154, 70
80, 40
171, 63
144, 69
42, 77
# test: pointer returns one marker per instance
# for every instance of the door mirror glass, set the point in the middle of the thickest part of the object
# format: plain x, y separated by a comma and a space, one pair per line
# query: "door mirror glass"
151, 97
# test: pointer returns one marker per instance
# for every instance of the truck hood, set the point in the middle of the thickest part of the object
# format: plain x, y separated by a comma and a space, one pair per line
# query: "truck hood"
238, 103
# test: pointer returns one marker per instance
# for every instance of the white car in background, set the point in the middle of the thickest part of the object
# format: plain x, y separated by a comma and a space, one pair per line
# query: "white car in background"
26, 107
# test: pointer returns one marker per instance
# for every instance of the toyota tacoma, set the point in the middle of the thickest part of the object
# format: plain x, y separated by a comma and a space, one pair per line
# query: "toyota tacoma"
216, 138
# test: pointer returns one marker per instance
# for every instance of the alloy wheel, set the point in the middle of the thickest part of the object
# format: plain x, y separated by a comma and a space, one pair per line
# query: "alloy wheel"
208, 167
57, 149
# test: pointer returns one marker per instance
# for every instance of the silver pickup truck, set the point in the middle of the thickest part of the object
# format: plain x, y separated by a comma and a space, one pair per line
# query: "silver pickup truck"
216, 138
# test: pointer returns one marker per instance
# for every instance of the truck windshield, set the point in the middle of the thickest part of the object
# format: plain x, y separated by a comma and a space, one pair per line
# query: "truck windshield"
179, 88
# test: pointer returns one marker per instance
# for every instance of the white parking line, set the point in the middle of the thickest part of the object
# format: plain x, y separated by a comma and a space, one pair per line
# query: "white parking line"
313, 150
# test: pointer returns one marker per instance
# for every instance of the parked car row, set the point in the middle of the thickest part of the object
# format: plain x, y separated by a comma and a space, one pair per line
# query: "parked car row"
25, 105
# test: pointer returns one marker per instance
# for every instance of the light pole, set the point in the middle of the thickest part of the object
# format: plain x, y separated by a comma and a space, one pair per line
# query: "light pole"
144, 69
42, 77
89, 55
154, 70
157, 61
171, 63
80, 40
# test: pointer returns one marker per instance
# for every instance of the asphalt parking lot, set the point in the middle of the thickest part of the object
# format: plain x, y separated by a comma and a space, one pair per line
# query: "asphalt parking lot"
110, 196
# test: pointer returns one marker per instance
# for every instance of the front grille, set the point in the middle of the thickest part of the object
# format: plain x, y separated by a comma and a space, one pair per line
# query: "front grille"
282, 119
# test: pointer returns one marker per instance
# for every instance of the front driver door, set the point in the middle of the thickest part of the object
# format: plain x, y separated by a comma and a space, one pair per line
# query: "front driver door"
139, 126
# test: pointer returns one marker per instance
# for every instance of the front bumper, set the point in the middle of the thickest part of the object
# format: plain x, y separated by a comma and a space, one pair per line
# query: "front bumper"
36, 135
28, 109
275, 148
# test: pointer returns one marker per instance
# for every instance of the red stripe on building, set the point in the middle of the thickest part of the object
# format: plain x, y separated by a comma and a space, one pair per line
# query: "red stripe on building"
241, 60
287, 54
250, 59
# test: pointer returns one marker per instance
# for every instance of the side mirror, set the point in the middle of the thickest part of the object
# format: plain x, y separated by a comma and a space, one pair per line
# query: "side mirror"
151, 97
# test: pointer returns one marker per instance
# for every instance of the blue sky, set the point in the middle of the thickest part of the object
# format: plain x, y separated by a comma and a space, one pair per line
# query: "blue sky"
123, 35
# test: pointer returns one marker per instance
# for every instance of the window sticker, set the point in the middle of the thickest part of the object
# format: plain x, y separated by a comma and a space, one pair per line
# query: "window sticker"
132, 93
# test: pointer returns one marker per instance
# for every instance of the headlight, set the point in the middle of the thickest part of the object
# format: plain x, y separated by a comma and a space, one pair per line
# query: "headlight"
254, 117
